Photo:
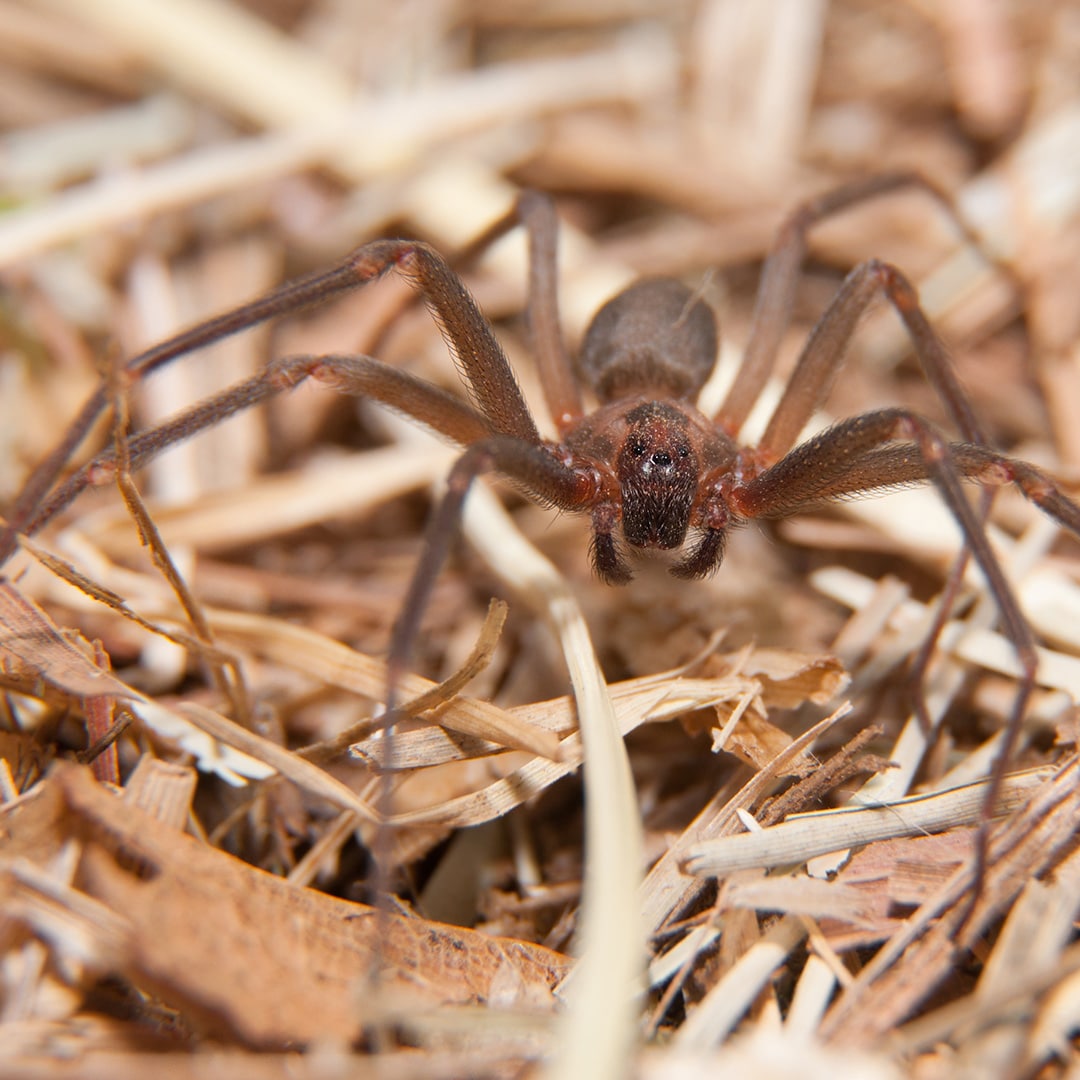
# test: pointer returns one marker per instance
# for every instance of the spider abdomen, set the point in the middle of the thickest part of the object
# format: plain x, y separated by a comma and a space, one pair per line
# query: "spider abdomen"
653, 338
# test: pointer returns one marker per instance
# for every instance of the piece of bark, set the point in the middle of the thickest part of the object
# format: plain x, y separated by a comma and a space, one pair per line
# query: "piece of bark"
242, 954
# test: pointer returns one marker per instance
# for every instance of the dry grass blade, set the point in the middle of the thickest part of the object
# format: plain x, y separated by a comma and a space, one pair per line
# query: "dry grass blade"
650, 699
337, 665
396, 134
1057, 670
804, 836
303, 773
30, 636
598, 1031
475, 663
731, 996
280, 503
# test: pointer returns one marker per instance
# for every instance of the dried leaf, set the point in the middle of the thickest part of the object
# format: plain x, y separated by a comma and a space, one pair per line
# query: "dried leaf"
234, 948
31, 636
757, 741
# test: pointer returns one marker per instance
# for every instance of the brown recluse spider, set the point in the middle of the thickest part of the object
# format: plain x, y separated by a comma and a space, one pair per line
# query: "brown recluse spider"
650, 469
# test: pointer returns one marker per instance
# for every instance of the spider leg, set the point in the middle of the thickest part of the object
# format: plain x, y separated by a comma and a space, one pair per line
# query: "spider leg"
776, 294
859, 455
543, 474
478, 353
358, 375
536, 212
824, 351
289, 298
819, 363
815, 373
856, 456
503, 431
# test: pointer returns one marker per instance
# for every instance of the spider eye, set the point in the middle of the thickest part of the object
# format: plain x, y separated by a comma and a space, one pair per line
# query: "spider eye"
684, 451
637, 449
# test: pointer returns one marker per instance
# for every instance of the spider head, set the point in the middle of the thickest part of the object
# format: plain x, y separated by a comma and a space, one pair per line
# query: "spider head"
658, 471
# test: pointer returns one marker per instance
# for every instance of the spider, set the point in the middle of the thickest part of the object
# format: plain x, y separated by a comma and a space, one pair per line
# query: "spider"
651, 470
